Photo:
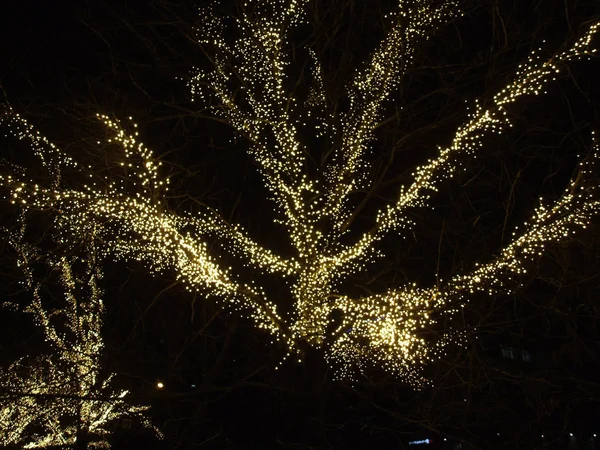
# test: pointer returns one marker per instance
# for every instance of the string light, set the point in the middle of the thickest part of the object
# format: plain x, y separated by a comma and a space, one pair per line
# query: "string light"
59, 397
246, 87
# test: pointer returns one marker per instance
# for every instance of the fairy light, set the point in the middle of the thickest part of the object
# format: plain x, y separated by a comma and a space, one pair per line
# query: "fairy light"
382, 329
55, 398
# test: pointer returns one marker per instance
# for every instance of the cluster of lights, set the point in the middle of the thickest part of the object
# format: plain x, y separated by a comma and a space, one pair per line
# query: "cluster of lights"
413, 22
246, 87
58, 397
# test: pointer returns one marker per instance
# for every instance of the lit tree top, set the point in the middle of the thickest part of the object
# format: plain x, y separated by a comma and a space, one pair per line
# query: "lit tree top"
247, 88
62, 396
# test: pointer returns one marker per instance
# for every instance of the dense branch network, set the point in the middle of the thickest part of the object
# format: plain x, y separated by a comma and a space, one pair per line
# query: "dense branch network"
61, 396
246, 87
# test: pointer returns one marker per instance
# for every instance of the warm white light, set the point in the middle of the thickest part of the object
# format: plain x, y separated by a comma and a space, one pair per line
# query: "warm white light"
160, 385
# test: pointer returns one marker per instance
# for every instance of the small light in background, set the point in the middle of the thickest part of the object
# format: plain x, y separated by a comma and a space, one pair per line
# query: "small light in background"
571, 434
160, 385
594, 434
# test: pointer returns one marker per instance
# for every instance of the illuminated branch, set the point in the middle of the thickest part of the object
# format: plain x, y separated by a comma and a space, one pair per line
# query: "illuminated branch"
239, 243
51, 157
257, 62
60, 397
415, 21
550, 224
137, 228
530, 79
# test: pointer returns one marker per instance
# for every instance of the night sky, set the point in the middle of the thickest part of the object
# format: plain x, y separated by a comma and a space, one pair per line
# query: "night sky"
63, 62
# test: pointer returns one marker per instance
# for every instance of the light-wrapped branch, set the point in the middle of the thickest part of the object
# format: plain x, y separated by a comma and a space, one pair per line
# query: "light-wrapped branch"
51, 156
531, 79
136, 227
260, 108
571, 213
415, 21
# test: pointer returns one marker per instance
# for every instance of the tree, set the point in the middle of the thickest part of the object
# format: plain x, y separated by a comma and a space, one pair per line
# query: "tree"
250, 86
62, 398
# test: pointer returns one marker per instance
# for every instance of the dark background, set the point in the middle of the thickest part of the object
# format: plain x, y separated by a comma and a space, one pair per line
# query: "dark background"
64, 62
